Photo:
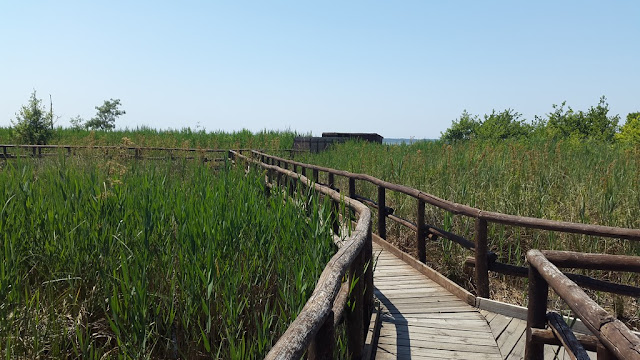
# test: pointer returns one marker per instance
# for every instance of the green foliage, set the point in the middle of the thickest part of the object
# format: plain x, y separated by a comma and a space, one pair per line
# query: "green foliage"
77, 123
630, 131
587, 181
464, 128
503, 125
106, 116
593, 124
561, 123
33, 125
151, 260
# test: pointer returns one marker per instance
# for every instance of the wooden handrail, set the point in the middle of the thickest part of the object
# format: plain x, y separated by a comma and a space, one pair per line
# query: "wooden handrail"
482, 263
128, 147
611, 332
494, 217
317, 316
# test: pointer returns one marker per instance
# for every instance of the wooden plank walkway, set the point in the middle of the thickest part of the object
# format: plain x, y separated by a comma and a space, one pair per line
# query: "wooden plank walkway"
510, 335
422, 320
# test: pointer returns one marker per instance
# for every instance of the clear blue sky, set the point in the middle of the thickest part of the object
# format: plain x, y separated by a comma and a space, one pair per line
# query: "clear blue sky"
398, 68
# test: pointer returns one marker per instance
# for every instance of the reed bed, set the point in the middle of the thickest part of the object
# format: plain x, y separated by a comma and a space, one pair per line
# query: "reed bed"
180, 138
585, 182
123, 260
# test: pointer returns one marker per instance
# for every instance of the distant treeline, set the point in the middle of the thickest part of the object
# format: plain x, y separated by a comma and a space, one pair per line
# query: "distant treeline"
562, 123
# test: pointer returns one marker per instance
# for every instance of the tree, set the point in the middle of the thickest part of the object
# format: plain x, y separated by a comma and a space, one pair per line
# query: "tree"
503, 125
593, 124
630, 131
77, 123
33, 125
464, 128
106, 116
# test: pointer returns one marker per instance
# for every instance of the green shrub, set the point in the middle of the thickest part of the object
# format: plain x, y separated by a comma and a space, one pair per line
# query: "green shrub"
33, 125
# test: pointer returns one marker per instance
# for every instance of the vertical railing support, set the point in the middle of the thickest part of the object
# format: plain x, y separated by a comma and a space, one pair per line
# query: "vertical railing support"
352, 188
420, 233
355, 312
367, 251
331, 181
323, 344
536, 313
352, 194
315, 176
303, 171
482, 262
382, 213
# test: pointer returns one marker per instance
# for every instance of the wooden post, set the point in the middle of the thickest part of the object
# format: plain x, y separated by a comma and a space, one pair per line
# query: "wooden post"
367, 251
354, 315
352, 188
331, 181
34, 151
303, 171
536, 313
420, 233
382, 216
315, 175
352, 194
4, 151
482, 262
335, 218
324, 343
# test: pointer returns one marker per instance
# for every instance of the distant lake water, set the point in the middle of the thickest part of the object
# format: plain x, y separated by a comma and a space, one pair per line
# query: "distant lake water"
399, 141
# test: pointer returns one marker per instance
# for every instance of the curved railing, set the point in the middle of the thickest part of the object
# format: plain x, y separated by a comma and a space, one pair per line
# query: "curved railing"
612, 339
484, 260
313, 330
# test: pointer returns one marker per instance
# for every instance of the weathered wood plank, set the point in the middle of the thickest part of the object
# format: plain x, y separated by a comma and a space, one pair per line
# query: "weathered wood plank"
510, 336
405, 352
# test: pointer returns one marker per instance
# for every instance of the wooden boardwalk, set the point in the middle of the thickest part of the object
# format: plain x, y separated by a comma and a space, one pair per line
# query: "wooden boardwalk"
510, 336
422, 320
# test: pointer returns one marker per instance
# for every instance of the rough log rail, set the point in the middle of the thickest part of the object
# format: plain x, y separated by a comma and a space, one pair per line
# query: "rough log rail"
313, 330
614, 339
484, 261
136, 152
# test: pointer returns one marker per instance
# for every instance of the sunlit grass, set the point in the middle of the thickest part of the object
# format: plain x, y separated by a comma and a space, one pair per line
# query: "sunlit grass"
587, 182
150, 260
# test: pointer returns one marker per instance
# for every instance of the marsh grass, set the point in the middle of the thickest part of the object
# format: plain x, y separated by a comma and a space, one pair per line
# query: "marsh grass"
584, 182
182, 138
107, 259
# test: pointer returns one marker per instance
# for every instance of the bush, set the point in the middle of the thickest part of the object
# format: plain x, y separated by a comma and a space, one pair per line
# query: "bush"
630, 131
593, 124
33, 125
464, 128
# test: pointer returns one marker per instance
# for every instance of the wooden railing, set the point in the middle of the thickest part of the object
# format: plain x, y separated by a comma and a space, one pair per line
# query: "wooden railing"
313, 330
484, 260
612, 338
12, 151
